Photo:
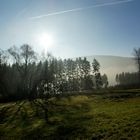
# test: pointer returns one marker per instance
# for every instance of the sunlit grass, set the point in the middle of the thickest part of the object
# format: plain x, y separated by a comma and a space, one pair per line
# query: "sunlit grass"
74, 117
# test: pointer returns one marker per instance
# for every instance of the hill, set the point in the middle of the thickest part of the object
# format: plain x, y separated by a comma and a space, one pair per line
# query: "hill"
111, 65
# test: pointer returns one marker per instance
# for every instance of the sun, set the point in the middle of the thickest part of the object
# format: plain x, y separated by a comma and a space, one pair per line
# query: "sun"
45, 40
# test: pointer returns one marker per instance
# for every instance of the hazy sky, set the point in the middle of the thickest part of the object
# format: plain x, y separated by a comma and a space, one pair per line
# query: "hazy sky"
71, 27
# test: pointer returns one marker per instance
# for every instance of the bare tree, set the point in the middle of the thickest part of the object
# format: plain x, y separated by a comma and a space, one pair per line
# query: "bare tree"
137, 59
23, 57
3, 69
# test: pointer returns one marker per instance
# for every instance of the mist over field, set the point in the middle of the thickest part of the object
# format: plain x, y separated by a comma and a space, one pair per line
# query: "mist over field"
112, 65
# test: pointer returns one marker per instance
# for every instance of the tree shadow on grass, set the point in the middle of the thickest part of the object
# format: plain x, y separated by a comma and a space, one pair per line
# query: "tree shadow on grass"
19, 114
3, 114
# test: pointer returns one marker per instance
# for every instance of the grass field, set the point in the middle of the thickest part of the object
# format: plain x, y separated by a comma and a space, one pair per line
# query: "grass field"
77, 117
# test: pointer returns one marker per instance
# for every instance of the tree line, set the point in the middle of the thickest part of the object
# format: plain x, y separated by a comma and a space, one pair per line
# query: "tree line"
126, 78
25, 75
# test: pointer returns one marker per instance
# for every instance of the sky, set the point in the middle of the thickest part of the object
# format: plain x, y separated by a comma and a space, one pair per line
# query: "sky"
71, 28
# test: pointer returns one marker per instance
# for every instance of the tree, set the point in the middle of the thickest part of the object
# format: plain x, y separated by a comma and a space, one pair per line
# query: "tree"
97, 75
127, 78
3, 71
87, 79
95, 65
137, 59
24, 58
105, 81
117, 79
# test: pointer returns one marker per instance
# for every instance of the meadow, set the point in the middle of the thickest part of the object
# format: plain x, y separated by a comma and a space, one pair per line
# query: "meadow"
112, 116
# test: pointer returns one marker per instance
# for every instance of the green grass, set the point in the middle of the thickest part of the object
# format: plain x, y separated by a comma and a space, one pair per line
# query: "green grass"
73, 118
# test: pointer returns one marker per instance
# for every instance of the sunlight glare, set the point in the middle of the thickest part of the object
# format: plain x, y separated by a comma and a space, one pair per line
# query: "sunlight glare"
45, 40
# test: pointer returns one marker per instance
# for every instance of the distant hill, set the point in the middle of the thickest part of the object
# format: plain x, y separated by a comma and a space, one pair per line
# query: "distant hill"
111, 65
